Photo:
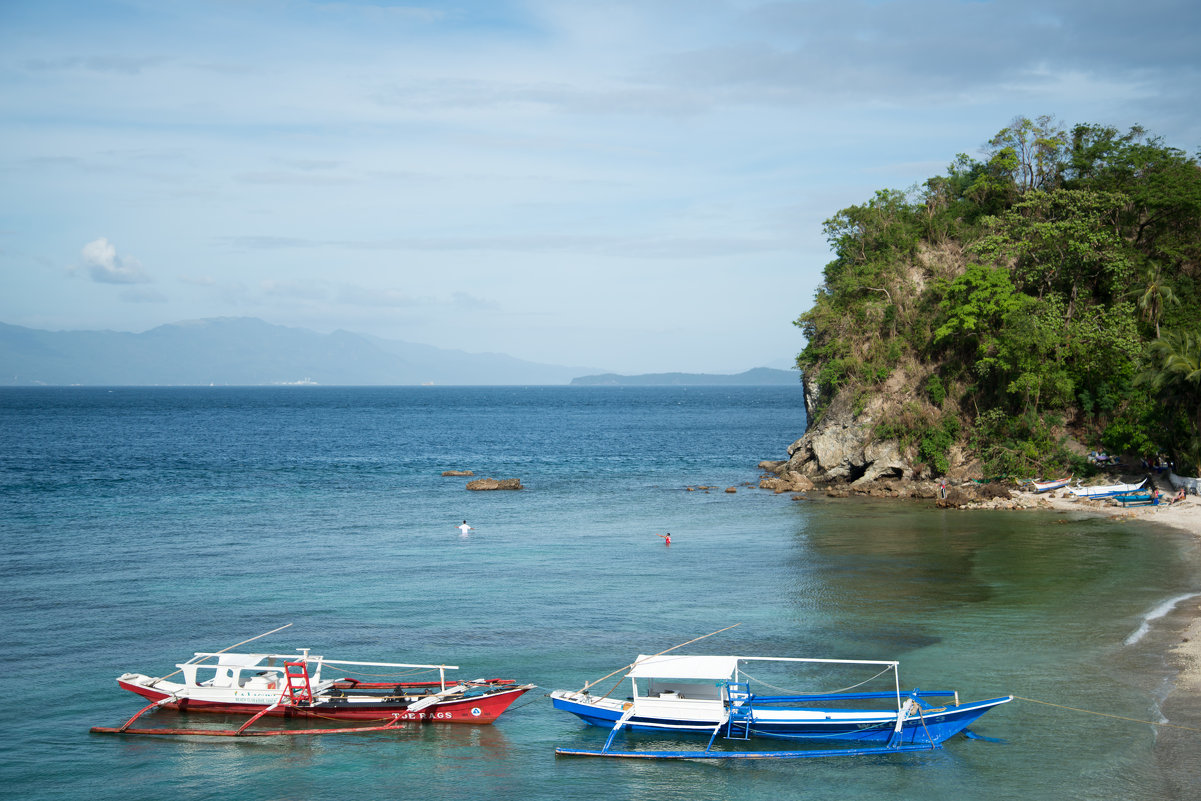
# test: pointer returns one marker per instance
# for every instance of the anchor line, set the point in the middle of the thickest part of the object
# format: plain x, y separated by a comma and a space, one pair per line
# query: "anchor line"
535, 699
1107, 715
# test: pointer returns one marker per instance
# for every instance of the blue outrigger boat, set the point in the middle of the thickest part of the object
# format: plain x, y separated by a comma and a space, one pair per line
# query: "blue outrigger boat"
1137, 499
712, 695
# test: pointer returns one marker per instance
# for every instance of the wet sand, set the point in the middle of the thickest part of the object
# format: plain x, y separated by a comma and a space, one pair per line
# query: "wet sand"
1178, 743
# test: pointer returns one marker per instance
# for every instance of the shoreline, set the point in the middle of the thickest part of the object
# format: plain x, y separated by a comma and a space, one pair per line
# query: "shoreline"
1180, 709
1175, 746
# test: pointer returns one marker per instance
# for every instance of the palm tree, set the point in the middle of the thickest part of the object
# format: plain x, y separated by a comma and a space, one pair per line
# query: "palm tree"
1175, 375
1155, 296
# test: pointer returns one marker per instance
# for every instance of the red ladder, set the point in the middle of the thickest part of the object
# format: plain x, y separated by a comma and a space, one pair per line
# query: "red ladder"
296, 683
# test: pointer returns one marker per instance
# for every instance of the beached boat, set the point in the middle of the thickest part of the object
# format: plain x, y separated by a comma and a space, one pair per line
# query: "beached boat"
713, 695
1189, 484
1047, 486
1106, 491
1137, 499
296, 686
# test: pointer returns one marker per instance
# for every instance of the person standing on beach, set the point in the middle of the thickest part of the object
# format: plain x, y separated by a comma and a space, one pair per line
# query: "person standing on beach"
464, 528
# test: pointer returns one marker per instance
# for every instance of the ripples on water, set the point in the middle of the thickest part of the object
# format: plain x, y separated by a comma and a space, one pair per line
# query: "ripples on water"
140, 525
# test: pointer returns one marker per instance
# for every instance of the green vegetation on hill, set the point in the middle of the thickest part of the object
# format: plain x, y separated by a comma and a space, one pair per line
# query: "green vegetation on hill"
1050, 291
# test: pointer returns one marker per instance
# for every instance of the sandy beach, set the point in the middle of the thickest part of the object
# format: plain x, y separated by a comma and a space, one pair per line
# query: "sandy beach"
1176, 741
1184, 515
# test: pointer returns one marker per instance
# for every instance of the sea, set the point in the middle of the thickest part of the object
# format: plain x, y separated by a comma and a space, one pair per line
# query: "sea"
140, 525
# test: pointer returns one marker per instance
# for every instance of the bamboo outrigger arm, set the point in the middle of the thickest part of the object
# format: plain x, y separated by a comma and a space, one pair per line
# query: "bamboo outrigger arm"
242, 732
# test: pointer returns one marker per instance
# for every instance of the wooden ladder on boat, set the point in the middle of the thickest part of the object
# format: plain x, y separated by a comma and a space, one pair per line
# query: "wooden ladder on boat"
738, 724
296, 683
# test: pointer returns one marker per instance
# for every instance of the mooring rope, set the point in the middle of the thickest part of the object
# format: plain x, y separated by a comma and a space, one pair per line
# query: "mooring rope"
535, 699
1107, 715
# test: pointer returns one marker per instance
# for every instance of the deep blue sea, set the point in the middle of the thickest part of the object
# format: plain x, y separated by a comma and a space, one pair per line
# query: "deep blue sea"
140, 525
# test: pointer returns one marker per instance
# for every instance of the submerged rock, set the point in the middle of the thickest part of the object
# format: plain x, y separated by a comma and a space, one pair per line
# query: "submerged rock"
483, 484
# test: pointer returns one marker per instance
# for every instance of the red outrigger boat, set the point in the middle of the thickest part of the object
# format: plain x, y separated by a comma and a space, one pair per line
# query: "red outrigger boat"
292, 686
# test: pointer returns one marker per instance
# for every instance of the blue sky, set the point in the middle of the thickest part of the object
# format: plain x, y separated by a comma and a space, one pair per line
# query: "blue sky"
630, 186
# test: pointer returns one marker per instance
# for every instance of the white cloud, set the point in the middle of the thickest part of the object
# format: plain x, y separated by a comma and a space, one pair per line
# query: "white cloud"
106, 267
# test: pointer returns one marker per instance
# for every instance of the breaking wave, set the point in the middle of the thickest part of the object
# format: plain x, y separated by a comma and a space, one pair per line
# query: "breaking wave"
1156, 613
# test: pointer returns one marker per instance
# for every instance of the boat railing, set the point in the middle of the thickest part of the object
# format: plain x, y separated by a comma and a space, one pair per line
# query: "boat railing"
889, 666
808, 697
233, 663
312, 659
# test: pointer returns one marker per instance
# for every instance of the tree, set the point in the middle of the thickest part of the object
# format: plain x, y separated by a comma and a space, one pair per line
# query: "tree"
974, 307
1155, 295
1031, 354
1175, 376
1035, 149
1063, 242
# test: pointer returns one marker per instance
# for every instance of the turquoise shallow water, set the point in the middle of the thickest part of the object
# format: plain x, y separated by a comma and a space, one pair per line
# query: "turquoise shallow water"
140, 525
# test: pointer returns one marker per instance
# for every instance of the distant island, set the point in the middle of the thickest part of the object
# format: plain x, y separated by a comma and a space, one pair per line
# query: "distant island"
759, 376
247, 351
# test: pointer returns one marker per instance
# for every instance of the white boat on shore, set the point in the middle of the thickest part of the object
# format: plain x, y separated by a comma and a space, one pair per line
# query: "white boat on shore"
1047, 486
1189, 484
1106, 490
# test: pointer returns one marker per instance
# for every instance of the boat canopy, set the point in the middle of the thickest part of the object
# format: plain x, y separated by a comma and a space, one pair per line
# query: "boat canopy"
252, 660
241, 660
684, 667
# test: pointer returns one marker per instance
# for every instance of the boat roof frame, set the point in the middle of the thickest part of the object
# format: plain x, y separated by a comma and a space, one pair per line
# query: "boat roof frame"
699, 667
305, 657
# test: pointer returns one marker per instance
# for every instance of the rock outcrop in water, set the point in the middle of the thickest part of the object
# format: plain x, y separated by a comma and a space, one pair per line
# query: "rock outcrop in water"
484, 484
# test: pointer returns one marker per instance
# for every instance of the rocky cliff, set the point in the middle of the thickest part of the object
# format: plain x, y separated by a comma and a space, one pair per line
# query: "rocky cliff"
841, 446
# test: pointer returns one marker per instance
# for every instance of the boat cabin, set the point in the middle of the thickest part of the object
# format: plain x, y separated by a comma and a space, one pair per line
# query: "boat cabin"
682, 687
246, 671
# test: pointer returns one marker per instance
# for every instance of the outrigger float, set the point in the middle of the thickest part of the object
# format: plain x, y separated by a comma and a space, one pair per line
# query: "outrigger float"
292, 686
712, 695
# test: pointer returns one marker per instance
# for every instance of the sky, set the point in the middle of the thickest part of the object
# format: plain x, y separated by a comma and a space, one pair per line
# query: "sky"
627, 186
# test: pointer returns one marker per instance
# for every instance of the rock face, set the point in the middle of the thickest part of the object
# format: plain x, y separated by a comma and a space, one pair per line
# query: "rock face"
481, 484
841, 446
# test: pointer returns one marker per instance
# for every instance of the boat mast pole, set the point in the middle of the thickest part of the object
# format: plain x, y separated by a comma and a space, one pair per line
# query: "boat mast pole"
652, 656
230, 648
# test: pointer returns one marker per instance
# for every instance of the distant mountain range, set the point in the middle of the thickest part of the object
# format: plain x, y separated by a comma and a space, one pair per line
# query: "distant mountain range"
245, 351
758, 376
